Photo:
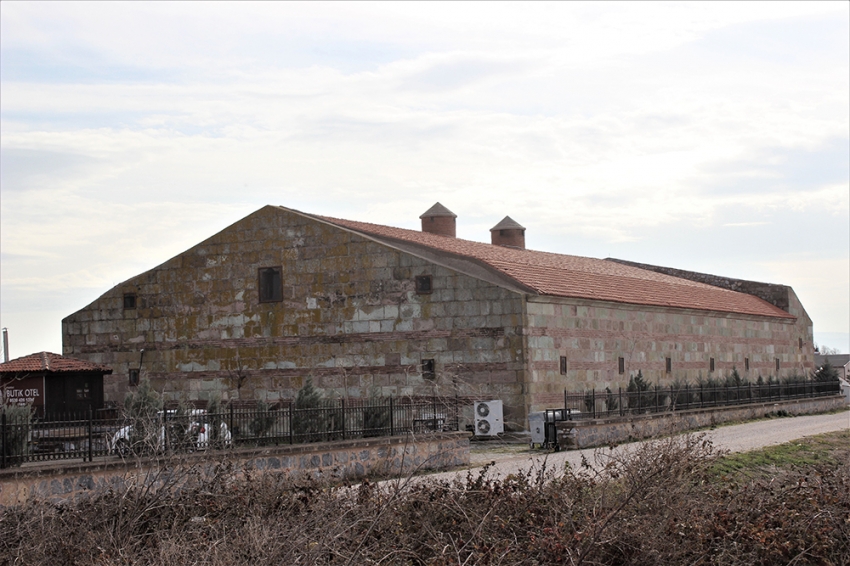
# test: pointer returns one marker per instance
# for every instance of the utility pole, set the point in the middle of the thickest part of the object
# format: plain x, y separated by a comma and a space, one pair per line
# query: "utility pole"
5, 344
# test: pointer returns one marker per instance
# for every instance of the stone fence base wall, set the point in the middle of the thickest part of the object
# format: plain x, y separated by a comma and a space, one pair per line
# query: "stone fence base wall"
586, 434
382, 456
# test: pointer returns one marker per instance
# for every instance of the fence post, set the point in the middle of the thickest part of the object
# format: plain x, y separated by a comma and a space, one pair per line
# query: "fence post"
620, 393
343, 417
230, 424
434, 414
392, 418
291, 432
656, 398
565, 405
5, 445
593, 400
91, 439
700, 395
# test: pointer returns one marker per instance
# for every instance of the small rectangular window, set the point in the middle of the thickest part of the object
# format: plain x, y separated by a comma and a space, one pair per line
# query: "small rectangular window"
711, 364
129, 301
428, 369
423, 284
621, 362
668, 365
134, 377
800, 343
746, 364
777, 365
563, 365
270, 284
83, 392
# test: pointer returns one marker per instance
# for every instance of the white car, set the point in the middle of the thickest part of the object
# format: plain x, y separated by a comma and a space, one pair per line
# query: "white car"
196, 435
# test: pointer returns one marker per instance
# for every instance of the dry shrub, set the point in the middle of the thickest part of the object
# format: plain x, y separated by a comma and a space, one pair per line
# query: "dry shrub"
653, 503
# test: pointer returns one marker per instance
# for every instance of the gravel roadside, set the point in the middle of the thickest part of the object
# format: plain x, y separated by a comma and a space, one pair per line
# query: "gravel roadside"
515, 458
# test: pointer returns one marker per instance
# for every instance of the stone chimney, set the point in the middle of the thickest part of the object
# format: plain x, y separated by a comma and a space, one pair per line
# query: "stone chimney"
508, 233
439, 220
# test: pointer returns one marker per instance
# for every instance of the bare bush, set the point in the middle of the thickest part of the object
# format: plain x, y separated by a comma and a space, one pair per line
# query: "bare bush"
653, 503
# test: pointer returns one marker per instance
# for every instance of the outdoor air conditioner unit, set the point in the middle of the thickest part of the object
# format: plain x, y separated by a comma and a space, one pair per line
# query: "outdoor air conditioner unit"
489, 418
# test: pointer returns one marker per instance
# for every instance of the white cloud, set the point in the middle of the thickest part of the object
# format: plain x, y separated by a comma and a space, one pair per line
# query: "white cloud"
599, 124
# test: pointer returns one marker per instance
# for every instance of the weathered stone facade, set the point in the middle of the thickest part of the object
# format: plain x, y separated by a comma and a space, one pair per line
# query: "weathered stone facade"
360, 313
592, 336
350, 318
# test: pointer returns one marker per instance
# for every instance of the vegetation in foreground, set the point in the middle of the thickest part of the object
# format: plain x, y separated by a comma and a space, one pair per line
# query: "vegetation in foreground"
674, 501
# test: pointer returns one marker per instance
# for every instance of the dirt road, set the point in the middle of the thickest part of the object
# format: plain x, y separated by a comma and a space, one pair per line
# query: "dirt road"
513, 458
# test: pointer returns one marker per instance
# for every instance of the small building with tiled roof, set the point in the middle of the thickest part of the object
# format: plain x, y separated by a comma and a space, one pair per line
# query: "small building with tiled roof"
361, 308
52, 384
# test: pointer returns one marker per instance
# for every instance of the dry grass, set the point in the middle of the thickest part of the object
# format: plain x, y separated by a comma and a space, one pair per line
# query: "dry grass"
663, 502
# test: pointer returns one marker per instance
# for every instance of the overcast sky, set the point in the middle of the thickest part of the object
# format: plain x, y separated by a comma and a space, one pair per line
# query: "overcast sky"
712, 137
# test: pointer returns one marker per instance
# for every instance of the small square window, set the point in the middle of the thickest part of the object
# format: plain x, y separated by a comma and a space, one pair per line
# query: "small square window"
668, 365
270, 284
423, 284
129, 301
746, 364
563, 365
777, 365
711, 364
428, 369
134, 377
621, 362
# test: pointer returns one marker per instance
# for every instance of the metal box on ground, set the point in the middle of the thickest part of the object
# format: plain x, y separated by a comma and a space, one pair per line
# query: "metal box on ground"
537, 426
489, 418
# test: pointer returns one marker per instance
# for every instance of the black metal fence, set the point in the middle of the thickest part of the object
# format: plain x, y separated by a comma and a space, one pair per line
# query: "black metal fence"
600, 404
96, 434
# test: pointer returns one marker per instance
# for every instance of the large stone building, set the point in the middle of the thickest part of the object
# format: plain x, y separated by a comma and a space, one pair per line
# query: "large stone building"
361, 308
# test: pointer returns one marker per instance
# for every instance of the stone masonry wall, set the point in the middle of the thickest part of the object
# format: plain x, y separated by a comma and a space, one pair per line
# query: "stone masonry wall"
580, 434
350, 318
343, 459
594, 335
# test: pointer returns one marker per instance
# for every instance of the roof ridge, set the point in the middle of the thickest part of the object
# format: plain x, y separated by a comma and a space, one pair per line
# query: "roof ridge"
571, 276
51, 362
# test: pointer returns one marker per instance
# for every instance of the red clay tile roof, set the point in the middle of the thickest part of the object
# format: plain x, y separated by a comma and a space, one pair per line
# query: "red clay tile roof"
582, 277
47, 361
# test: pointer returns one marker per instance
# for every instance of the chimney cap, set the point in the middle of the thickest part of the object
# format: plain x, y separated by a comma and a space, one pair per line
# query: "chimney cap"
438, 210
507, 223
